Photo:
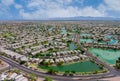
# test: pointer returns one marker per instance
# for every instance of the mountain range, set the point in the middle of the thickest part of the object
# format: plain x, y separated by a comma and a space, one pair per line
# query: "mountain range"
84, 18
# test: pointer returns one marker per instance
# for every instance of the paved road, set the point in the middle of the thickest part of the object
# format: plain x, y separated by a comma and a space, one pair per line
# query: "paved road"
28, 70
112, 72
56, 77
111, 69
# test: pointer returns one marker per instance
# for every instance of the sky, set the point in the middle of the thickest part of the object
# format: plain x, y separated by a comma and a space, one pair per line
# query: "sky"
45, 9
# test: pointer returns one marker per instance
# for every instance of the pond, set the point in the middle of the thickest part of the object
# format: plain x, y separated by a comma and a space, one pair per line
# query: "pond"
50, 29
86, 66
107, 55
112, 41
63, 31
86, 40
108, 36
85, 34
72, 46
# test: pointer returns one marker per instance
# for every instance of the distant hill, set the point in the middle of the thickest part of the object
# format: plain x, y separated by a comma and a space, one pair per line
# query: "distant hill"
85, 18
64, 19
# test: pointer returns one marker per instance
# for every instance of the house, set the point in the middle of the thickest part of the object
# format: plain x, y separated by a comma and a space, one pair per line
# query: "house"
17, 77
23, 58
13, 76
2, 77
22, 79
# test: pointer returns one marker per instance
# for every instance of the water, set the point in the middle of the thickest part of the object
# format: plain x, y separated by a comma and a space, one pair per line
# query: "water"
107, 55
102, 43
113, 41
72, 46
86, 66
63, 31
50, 29
108, 36
86, 40
85, 34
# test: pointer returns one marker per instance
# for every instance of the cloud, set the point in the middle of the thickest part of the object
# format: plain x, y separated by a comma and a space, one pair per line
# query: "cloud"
6, 11
73, 11
32, 15
90, 11
113, 5
17, 6
57, 8
110, 7
43, 9
7, 2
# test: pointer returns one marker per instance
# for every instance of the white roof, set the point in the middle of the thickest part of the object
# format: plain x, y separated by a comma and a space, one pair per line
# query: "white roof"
25, 79
47, 60
17, 77
24, 58
51, 60
54, 54
57, 60
35, 58
22, 79
11, 53
2, 77
13, 75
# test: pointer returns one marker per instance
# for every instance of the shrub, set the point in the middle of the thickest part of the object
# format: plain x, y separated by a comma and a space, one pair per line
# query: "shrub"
48, 78
22, 62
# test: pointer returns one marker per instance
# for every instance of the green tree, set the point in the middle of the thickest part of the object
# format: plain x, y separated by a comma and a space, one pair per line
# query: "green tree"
17, 71
60, 63
22, 62
67, 73
73, 72
48, 78
33, 77
95, 72
23, 47
117, 64
52, 71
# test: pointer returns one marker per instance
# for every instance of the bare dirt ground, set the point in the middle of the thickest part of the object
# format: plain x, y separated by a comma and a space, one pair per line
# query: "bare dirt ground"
3, 65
